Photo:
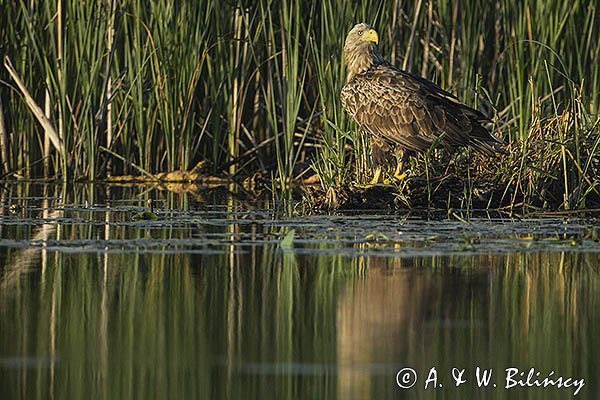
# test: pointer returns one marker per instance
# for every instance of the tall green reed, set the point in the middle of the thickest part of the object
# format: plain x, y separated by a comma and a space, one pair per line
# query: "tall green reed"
254, 85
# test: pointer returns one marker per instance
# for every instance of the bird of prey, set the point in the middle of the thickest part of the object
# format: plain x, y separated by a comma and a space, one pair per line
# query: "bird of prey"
404, 111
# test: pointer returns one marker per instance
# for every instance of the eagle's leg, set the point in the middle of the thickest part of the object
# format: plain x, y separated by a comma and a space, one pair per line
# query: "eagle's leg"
376, 176
379, 151
401, 158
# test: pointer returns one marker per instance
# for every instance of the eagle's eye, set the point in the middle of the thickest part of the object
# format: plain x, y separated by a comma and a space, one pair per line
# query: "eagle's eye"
360, 33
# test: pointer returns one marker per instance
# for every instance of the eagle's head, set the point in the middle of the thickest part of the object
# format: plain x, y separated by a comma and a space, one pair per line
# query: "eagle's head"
360, 49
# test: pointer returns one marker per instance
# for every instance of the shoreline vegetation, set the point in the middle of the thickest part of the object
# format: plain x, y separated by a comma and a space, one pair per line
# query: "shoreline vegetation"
248, 92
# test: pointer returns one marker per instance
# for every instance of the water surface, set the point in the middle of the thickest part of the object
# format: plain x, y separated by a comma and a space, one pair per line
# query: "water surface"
205, 303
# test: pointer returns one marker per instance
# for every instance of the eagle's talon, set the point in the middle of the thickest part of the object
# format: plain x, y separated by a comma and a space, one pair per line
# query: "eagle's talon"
401, 177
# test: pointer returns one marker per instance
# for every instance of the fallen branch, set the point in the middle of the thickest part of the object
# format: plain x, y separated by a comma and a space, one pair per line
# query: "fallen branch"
35, 109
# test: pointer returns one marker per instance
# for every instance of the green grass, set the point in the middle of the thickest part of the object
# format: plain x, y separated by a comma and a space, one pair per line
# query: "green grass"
253, 86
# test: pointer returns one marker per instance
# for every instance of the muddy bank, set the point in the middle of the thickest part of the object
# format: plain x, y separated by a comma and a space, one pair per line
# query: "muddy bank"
445, 193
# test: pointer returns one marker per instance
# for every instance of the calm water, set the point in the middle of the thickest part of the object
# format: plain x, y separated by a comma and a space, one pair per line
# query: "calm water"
204, 303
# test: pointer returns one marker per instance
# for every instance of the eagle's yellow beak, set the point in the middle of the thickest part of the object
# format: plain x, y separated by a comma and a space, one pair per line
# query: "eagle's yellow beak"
371, 36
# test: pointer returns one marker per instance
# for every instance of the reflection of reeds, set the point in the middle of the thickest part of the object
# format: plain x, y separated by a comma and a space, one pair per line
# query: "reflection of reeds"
200, 326
526, 310
25, 260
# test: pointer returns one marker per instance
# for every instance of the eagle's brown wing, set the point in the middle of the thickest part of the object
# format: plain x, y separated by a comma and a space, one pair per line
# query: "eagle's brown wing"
413, 112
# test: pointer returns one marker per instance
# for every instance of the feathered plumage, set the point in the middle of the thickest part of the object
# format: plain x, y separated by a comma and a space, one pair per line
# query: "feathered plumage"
399, 108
